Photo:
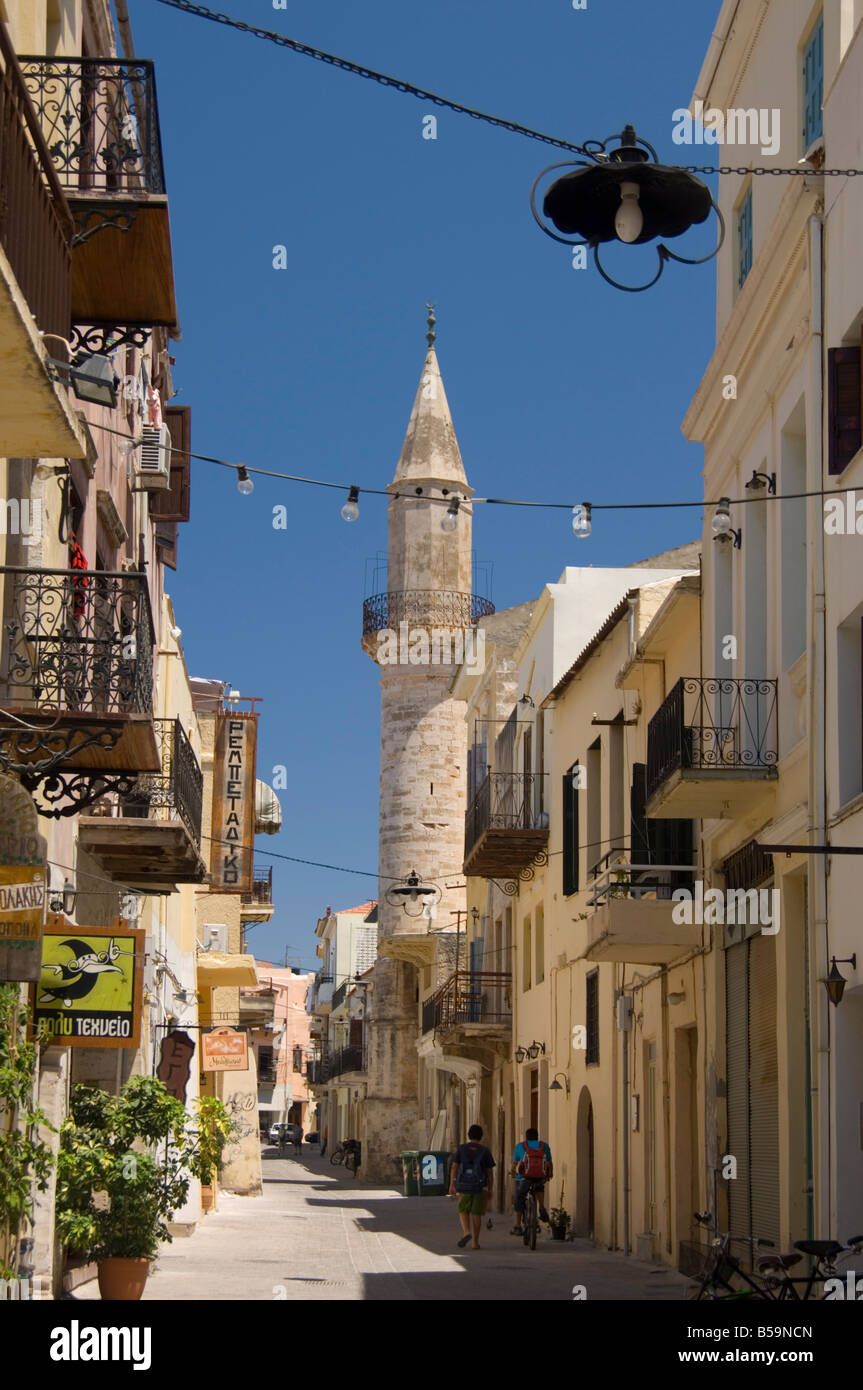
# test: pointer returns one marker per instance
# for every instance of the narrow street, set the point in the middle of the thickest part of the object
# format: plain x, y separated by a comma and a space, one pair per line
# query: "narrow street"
317, 1233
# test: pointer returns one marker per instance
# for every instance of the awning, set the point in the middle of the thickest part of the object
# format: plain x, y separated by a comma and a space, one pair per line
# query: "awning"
216, 969
268, 812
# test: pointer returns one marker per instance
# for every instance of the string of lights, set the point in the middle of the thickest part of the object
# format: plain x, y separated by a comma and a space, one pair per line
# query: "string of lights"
408, 88
760, 490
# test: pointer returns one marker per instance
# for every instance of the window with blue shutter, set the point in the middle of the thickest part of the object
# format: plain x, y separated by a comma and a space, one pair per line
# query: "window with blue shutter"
744, 238
813, 84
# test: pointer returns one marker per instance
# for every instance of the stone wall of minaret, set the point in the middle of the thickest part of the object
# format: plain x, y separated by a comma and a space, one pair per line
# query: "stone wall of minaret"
423, 783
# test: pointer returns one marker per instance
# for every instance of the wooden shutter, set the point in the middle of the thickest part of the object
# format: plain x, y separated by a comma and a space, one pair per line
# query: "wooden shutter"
570, 834
639, 843
173, 503
166, 542
763, 1089
737, 1092
843, 404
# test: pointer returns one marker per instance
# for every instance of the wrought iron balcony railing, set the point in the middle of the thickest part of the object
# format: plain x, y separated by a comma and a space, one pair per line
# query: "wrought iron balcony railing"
317, 1071
262, 888
340, 994
427, 607
619, 878
177, 791
36, 227
504, 801
100, 122
347, 1059
470, 996
77, 640
715, 725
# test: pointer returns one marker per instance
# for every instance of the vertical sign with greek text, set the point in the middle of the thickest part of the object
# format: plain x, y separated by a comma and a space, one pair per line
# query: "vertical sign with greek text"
233, 826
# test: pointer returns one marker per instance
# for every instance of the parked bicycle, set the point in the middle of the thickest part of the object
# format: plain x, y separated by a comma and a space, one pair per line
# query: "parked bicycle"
831, 1260
348, 1153
721, 1275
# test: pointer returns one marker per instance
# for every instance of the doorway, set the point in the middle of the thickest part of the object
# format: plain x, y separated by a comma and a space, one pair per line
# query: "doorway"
584, 1169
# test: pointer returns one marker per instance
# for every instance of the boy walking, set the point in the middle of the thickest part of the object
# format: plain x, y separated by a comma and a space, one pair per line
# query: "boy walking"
471, 1177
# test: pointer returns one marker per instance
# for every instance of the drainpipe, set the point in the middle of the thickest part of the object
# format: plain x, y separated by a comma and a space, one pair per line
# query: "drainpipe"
124, 28
817, 878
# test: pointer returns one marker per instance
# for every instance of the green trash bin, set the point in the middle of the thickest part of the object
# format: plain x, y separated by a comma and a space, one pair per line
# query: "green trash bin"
409, 1172
434, 1165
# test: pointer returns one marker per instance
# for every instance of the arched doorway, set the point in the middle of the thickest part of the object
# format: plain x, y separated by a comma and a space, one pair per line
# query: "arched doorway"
584, 1184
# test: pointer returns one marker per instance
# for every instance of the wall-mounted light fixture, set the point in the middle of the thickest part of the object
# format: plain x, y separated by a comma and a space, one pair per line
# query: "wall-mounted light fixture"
535, 1050
556, 1086
759, 481
835, 981
722, 528
64, 901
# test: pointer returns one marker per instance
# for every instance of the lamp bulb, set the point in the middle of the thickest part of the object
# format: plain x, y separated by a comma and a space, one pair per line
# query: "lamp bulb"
629, 220
350, 511
244, 482
581, 523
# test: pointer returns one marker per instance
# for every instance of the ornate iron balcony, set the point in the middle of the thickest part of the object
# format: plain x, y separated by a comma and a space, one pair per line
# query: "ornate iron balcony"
317, 1072
505, 827
100, 121
470, 996
177, 791
718, 726
426, 607
340, 994
347, 1059
77, 640
262, 888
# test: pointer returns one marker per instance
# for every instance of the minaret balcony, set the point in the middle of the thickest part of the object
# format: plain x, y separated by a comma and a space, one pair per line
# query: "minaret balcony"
712, 748
505, 826
443, 610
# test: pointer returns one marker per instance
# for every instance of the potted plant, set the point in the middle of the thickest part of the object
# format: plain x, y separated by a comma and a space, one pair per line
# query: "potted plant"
559, 1219
25, 1159
213, 1130
120, 1178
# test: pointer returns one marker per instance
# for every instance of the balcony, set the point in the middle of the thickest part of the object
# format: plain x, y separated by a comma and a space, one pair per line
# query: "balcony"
505, 828
317, 1072
712, 748
632, 921
257, 906
468, 1022
322, 994
257, 1010
36, 232
152, 840
100, 122
452, 613
345, 1060
78, 669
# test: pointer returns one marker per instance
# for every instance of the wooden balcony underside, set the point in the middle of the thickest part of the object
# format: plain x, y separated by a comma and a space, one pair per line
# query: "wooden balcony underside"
124, 277
504, 853
149, 855
136, 749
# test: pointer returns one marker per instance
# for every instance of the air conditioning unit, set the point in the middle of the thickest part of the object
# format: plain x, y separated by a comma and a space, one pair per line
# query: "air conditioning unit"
153, 458
215, 937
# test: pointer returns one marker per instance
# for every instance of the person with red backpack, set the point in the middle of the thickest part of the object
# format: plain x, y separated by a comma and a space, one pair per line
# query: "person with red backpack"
471, 1178
531, 1164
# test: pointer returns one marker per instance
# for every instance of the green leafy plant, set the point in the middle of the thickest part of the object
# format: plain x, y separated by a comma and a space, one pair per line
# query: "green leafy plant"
212, 1130
121, 1170
25, 1160
559, 1216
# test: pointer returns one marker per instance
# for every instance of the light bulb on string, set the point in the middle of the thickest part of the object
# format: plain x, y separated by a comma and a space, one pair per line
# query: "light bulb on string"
350, 511
581, 523
450, 521
722, 518
244, 482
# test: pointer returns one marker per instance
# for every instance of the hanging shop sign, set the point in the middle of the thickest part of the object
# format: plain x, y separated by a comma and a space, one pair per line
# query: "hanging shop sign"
233, 821
90, 990
175, 1063
23, 879
224, 1049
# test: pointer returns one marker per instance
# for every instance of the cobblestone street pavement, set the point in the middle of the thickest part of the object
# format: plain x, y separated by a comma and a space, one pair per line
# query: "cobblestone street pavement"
318, 1233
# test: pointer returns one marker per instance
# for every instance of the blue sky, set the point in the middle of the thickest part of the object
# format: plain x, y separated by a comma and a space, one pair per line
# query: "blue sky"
560, 387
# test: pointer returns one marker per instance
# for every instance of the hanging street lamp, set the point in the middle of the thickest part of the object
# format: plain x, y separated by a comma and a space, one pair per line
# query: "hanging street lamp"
625, 195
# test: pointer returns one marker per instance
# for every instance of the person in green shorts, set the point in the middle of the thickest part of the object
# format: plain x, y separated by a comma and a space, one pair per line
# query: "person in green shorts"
472, 1180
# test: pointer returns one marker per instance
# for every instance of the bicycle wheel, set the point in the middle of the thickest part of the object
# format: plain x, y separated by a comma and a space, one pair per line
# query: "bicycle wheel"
338, 1156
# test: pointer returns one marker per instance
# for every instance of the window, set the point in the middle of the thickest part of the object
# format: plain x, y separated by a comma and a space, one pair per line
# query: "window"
813, 84
594, 805
540, 945
849, 654
592, 1016
744, 238
297, 1059
571, 782
843, 406
265, 1064
526, 947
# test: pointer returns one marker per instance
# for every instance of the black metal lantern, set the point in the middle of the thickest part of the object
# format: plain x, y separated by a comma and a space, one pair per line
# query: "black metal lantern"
835, 981
625, 195
411, 894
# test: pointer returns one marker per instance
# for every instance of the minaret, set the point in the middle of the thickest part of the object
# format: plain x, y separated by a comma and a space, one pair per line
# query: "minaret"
423, 781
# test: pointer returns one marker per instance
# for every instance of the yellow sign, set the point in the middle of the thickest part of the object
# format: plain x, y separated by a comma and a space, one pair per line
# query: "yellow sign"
89, 994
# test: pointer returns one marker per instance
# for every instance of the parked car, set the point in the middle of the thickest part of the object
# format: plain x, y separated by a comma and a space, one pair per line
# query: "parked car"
313, 1137
293, 1133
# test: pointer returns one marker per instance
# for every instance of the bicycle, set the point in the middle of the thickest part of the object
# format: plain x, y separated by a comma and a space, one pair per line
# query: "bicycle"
338, 1155
827, 1265
719, 1269
530, 1215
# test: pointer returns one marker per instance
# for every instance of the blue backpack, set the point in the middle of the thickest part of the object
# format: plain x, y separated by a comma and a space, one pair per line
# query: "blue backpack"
472, 1170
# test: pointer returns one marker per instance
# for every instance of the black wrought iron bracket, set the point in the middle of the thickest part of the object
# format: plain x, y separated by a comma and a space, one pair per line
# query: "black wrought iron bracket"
121, 221
103, 338
78, 790
18, 744
513, 885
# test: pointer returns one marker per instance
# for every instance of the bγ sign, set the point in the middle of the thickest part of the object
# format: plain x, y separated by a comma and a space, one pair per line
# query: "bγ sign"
89, 992
224, 1049
23, 877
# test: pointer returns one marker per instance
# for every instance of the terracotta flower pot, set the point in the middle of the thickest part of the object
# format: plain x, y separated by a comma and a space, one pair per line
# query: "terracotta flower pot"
121, 1280
208, 1197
